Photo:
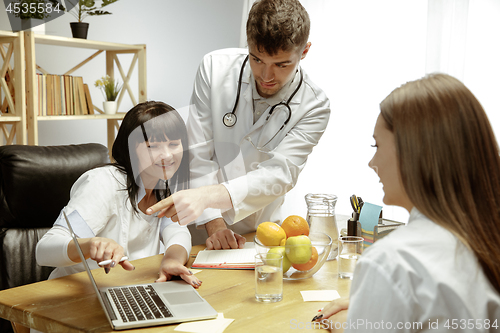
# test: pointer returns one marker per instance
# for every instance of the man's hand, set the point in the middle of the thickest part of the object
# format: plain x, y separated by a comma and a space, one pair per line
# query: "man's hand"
187, 205
220, 237
183, 206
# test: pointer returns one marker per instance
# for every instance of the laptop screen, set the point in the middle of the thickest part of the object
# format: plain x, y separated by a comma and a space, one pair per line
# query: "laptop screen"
87, 268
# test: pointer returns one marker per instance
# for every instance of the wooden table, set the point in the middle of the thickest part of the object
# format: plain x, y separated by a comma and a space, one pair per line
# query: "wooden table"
69, 304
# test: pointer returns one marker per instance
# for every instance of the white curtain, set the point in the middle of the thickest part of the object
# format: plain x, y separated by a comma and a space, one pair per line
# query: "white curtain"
361, 51
447, 36
247, 4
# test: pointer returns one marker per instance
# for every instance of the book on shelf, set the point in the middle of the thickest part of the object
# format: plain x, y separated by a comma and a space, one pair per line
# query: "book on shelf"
50, 105
76, 103
81, 95
227, 259
57, 95
90, 106
63, 95
67, 91
39, 78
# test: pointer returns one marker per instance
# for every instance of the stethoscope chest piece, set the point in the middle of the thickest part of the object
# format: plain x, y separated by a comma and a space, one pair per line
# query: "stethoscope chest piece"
229, 119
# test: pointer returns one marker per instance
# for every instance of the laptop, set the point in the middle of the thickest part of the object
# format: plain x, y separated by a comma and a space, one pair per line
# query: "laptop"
148, 305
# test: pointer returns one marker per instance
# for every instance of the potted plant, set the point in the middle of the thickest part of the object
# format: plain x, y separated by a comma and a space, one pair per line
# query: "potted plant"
34, 12
110, 90
81, 10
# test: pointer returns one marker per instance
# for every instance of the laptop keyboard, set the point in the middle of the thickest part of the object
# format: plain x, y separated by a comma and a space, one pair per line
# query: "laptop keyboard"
139, 303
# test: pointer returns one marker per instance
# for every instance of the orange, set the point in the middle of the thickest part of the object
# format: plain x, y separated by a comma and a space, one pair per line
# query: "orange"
270, 234
295, 225
310, 264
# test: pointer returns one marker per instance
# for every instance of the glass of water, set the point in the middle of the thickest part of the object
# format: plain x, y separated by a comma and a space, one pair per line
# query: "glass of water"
269, 277
350, 250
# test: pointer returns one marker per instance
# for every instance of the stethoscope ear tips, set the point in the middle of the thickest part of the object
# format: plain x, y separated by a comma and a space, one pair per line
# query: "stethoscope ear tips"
229, 119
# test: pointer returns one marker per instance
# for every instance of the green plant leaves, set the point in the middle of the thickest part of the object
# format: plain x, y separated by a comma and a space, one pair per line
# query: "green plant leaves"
88, 8
99, 12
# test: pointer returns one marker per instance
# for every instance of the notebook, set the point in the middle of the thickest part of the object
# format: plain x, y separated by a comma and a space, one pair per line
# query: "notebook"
148, 305
227, 259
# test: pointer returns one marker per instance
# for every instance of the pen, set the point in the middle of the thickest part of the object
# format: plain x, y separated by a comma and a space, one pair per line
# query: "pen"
361, 202
353, 203
107, 262
357, 203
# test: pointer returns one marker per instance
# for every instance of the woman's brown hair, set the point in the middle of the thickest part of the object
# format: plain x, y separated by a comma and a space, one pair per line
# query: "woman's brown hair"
155, 121
449, 162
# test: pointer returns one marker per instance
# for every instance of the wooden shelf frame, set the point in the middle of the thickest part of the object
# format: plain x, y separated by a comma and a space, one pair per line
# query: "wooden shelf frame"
112, 50
12, 47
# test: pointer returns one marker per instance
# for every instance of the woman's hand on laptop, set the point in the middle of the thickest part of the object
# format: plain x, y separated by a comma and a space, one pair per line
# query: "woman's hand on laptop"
106, 249
100, 249
171, 267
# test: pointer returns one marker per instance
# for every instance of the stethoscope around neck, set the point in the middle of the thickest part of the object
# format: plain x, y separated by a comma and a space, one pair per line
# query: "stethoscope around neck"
229, 119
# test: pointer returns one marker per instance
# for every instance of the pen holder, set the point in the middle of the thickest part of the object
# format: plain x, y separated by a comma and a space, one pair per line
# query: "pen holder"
382, 229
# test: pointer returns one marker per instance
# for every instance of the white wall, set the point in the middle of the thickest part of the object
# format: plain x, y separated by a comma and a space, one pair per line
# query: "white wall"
177, 34
482, 61
361, 51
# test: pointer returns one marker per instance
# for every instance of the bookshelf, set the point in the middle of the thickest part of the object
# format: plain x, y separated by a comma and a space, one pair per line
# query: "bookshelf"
12, 112
112, 52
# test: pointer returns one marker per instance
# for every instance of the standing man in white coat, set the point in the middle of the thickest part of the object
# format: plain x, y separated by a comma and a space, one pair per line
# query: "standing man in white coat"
254, 120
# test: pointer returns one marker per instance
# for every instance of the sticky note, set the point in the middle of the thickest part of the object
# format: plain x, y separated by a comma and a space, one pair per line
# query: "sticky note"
206, 326
319, 295
369, 216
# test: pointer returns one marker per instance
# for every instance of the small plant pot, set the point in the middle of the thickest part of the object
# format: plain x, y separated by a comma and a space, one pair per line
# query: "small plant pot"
79, 29
109, 107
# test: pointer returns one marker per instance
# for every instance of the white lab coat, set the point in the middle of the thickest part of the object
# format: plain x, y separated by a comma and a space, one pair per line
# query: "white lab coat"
100, 206
421, 278
256, 180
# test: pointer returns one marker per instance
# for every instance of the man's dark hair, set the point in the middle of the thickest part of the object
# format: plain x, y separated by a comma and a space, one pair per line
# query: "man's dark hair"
278, 25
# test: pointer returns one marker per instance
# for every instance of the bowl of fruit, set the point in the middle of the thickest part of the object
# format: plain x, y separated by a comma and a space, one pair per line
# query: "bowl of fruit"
304, 252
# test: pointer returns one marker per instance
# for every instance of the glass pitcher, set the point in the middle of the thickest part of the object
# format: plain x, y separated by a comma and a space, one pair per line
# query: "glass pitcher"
321, 218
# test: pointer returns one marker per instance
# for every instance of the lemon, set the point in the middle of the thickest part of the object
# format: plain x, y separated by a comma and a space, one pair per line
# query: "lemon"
270, 234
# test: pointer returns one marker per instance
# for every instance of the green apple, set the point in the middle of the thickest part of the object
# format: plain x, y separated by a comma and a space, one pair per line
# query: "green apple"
281, 250
298, 249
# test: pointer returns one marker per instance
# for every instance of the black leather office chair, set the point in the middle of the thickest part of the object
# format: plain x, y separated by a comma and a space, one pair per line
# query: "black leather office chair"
35, 183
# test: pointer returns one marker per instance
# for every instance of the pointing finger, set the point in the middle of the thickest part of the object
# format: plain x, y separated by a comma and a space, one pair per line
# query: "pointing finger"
163, 204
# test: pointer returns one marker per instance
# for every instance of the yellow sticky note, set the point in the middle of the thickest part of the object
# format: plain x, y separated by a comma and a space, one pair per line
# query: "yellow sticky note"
217, 325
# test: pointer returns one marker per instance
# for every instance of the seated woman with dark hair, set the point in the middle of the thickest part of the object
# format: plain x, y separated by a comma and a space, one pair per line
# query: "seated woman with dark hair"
107, 204
437, 157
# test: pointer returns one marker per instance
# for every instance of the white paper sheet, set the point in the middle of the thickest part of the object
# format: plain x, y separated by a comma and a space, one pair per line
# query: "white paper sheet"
319, 295
217, 325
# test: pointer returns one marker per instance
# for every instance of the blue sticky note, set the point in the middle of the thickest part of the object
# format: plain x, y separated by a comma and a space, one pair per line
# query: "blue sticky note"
369, 216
